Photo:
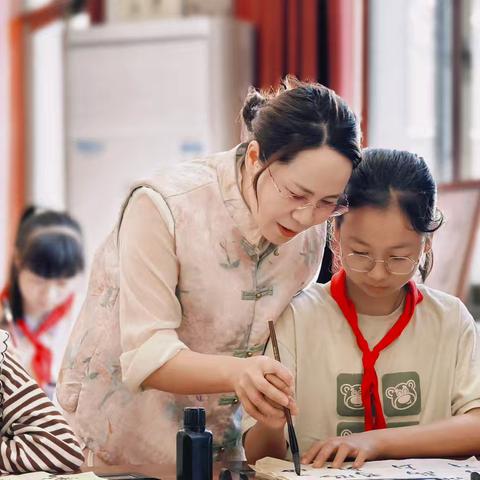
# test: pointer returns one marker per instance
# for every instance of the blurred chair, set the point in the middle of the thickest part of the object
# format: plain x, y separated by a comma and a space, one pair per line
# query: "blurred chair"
455, 241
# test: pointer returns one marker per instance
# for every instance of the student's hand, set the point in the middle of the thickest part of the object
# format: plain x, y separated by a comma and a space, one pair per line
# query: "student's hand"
358, 446
264, 386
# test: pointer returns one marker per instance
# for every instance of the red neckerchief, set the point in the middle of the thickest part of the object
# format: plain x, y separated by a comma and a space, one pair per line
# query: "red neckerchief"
42, 357
374, 417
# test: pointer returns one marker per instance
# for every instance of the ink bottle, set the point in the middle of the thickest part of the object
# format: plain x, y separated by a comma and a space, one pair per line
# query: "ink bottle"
194, 447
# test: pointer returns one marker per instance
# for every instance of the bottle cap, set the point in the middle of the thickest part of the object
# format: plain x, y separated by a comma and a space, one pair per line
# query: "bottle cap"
194, 417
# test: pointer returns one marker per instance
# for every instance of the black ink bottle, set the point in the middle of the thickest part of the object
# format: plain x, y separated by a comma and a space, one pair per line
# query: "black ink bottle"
194, 447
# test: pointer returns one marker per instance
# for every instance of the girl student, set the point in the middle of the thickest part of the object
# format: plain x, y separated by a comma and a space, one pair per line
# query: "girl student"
201, 258
33, 434
37, 303
373, 349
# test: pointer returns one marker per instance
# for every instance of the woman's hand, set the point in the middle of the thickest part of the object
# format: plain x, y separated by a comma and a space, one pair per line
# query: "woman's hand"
264, 386
358, 446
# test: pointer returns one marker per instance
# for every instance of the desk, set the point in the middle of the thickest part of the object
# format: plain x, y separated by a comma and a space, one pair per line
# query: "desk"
164, 472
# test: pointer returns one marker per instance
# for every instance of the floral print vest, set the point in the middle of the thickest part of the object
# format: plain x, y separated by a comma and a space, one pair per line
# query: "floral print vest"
228, 289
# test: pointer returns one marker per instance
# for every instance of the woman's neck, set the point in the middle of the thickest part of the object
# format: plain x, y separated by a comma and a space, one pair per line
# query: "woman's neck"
366, 305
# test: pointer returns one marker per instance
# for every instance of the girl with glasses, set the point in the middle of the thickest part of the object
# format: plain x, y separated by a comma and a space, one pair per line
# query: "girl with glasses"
374, 350
201, 258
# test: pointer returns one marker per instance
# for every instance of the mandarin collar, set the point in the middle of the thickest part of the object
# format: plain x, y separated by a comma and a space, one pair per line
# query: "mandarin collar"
229, 180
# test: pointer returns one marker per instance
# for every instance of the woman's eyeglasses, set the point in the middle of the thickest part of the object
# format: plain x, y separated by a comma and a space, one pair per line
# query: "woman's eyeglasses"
333, 209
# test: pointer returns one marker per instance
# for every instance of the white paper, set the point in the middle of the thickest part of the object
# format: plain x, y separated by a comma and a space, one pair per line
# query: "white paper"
415, 468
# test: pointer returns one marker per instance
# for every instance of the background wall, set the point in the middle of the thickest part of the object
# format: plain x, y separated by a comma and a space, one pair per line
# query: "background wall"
409, 68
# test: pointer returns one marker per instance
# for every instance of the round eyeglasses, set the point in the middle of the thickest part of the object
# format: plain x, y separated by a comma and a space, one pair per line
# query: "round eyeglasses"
334, 209
358, 262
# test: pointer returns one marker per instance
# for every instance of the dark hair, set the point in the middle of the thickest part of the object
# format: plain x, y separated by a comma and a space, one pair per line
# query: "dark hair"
49, 244
386, 176
299, 116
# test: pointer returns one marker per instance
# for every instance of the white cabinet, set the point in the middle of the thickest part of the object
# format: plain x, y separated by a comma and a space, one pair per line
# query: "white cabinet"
142, 96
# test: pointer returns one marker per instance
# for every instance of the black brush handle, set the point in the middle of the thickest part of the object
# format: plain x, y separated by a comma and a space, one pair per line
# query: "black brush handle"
292, 437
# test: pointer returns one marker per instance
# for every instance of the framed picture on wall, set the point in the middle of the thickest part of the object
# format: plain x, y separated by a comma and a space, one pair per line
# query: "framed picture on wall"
455, 241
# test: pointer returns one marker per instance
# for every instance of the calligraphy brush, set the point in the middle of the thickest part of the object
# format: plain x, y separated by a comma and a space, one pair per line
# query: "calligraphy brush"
292, 437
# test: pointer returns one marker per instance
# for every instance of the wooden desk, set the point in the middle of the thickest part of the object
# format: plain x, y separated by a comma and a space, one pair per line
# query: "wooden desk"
164, 472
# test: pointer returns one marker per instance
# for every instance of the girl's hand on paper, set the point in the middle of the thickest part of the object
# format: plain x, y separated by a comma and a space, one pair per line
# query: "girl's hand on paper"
359, 446
263, 387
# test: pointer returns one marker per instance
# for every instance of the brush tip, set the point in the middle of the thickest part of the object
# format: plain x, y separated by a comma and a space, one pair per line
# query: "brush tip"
296, 463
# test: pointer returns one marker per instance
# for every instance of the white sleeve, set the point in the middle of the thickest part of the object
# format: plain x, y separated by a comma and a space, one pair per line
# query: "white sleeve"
466, 388
150, 312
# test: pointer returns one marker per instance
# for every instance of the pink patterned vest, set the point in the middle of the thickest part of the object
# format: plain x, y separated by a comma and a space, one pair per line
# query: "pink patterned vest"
228, 291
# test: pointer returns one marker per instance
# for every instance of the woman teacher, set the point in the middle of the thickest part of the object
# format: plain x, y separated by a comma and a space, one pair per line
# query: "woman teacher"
201, 259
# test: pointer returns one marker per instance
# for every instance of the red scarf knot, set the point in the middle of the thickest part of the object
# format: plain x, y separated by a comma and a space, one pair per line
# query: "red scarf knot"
42, 357
374, 418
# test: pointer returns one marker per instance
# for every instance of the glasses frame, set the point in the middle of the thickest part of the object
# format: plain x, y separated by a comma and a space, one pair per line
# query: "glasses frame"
334, 213
374, 261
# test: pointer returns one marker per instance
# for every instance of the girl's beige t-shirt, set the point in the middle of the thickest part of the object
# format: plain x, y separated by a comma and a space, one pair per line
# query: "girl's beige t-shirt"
431, 372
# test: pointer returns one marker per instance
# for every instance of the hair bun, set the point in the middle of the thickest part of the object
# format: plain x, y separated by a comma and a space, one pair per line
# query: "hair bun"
254, 101
29, 212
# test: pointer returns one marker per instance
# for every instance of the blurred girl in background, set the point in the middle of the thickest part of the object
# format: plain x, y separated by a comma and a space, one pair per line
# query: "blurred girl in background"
37, 303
